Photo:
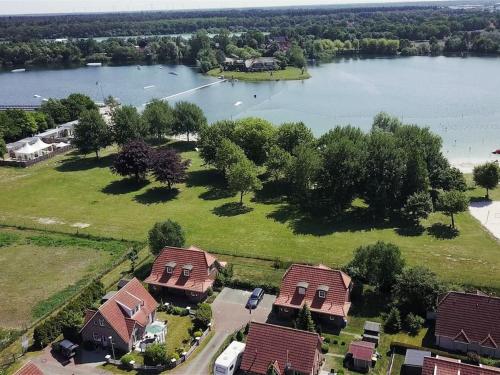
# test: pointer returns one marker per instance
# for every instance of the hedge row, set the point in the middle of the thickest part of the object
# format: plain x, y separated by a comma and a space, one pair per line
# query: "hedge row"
68, 320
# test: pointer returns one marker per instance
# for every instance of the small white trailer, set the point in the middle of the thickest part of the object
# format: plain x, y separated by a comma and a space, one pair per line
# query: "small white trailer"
229, 361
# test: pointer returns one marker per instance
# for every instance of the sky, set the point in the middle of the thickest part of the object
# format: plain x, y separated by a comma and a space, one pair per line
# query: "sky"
86, 6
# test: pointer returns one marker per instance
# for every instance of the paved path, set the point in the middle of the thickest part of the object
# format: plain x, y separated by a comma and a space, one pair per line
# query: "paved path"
229, 315
50, 365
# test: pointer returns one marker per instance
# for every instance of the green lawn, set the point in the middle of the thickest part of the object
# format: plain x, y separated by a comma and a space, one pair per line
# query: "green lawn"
68, 190
289, 73
40, 271
177, 330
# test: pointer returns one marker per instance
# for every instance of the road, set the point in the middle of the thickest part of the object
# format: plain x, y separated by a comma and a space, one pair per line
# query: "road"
229, 315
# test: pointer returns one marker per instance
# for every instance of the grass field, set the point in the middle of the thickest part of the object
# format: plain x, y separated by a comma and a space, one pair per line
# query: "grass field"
68, 191
289, 73
41, 271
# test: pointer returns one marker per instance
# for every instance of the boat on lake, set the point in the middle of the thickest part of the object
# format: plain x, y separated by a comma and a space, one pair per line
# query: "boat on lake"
18, 70
95, 64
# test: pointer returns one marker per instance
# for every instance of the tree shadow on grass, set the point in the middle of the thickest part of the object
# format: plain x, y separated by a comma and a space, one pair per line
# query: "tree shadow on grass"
231, 209
352, 220
216, 193
205, 177
182, 146
81, 163
271, 193
412, 231
124, 186
157, 195
442, 231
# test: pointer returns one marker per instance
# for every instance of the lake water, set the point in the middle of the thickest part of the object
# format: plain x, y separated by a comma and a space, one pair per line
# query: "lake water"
459, 98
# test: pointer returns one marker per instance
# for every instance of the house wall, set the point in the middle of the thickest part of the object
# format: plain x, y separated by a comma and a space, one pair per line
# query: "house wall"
451, 345
97, 330
360, 364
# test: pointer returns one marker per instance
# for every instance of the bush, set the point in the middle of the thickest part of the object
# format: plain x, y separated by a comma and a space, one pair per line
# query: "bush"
392, 323
197, 334
203, 316
325, 347
125, 360
210, 291
474, 358
327, 340
247, 328
414, 323
239, 336
176, 310
175, 356
155, 354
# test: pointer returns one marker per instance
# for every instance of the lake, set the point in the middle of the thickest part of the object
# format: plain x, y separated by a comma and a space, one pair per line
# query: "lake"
458, 98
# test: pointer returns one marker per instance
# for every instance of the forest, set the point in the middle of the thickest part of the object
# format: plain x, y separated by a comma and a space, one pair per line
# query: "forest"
290, 35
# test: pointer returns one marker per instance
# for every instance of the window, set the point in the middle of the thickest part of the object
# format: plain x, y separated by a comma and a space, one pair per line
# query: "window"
101, 322
186, 272
96, 336
302, 290
169, 269
230, 368
322, 294
285, 309
332, 317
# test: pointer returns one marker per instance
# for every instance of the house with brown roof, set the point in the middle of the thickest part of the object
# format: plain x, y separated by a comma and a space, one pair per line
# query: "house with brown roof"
122, 319
29, 369
448, 366
326, 291
190, 272
287, 350
468, 322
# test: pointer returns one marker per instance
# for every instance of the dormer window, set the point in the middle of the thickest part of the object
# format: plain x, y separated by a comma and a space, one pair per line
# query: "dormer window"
302, 287
322, 290
170, 267
186, 269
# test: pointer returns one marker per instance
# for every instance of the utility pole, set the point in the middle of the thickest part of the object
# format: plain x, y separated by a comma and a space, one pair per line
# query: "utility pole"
112, 347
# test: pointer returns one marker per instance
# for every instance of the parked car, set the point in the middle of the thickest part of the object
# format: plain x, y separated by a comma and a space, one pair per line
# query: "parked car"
255, 298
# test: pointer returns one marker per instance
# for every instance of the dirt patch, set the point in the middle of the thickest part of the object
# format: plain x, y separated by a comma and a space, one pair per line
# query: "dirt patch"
49, 220
80, 225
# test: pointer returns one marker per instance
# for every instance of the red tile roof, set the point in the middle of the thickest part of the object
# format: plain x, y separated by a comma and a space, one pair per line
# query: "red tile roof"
199, 279
337, 282
362, 350
29, 369
269, 344
131, 295
469, 318
447, 366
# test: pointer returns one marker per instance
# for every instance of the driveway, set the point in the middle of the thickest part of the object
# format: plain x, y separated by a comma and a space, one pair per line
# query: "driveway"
87, 365
229, 314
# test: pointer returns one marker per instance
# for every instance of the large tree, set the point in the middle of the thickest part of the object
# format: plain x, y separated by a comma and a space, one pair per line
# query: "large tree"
188, 119
134, 159
343, 152
416, 290
243, 177
291, 134
91, 134
487, 176
128, 125
3, 147
451, 203
159, 118
168, 167
278, 163
304, 169
378, 264
57, 110
211, 136
167, 233
78, 103
254, 135
227, 154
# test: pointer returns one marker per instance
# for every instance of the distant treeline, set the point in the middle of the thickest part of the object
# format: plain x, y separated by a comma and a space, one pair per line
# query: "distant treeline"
413, 23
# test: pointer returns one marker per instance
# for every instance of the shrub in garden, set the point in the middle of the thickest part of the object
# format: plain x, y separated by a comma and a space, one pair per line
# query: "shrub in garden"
324, 348
155, 354
197, 334
239, 336
125, 360
392, 323
414, 323
203, 316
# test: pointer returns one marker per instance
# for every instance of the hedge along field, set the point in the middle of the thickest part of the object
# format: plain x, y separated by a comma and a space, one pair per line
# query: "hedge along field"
68, 191
40, 271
